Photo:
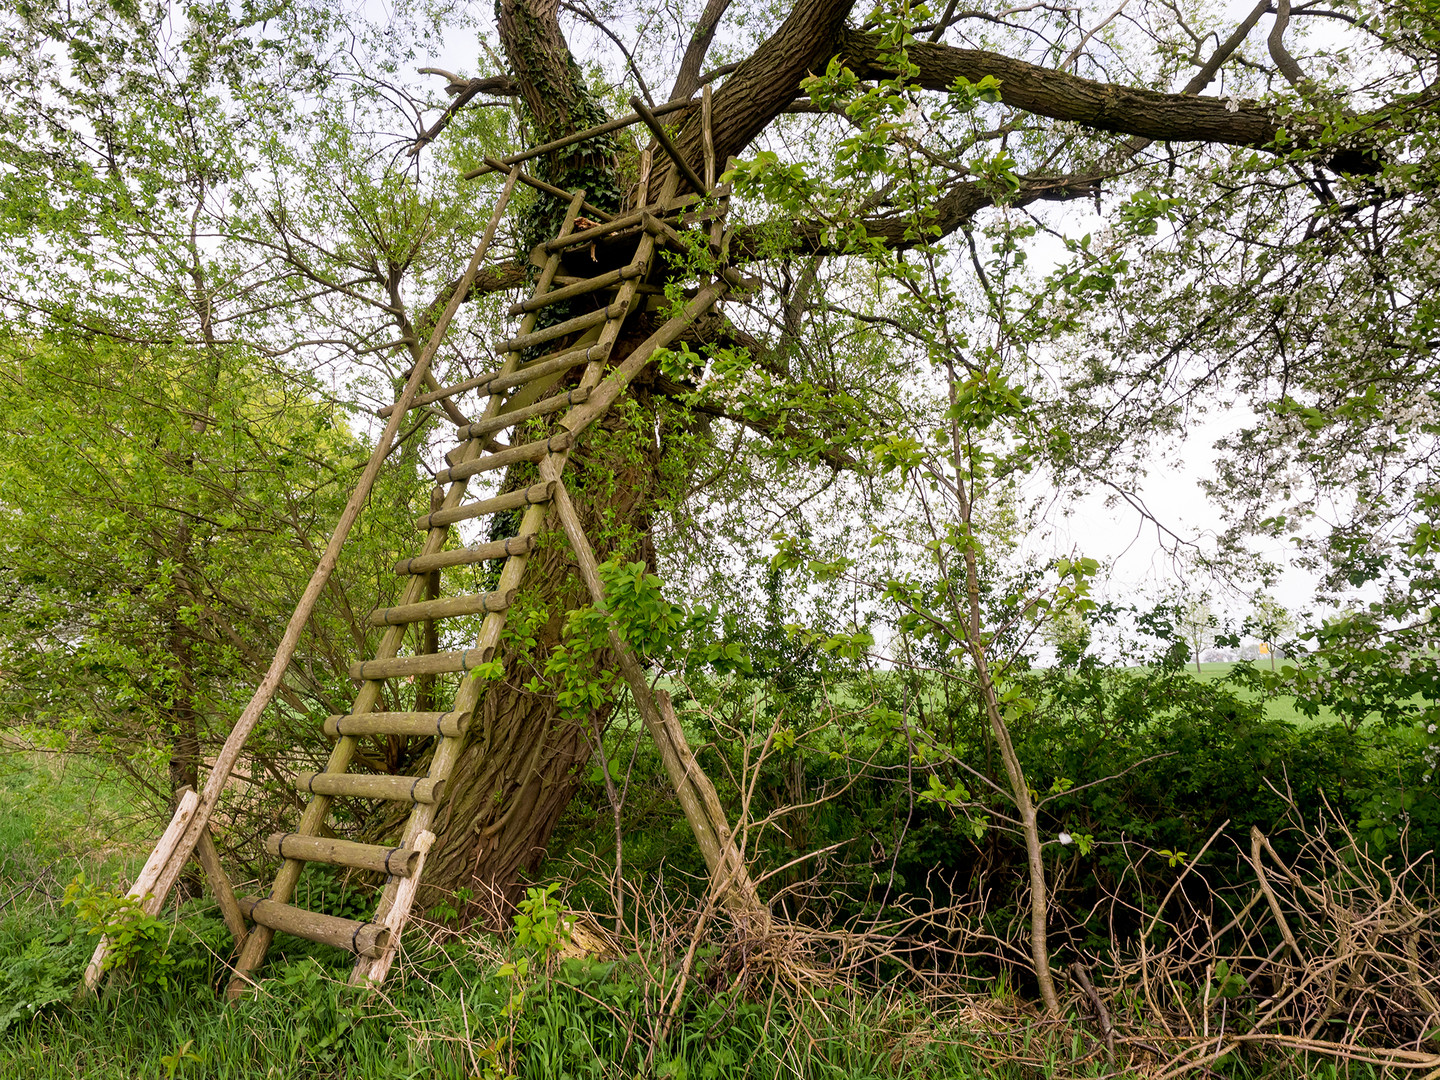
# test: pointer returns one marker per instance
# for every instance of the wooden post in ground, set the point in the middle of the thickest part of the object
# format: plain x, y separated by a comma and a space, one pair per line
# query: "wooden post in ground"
144, 885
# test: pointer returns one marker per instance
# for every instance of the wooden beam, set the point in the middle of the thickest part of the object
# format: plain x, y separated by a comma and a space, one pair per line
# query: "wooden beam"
663, 138
220, 887
570, 140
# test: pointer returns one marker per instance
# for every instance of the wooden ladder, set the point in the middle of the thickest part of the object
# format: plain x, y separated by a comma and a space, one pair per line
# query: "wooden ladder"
517, 391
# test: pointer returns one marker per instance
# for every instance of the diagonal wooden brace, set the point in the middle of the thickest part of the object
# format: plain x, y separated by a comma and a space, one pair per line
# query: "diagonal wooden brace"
729, 876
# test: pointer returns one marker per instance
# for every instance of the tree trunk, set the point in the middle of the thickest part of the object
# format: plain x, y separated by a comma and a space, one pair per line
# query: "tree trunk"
182, 719
522, 762
520, 767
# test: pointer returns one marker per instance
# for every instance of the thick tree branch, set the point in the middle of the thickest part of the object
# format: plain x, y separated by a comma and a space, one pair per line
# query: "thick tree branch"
766, 82
1287, 64
550, 82
1061, 96
464, 91
952, 211
1226, 49
687, 79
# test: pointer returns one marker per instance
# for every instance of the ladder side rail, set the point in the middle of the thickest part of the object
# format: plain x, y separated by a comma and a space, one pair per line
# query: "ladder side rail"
372, 970
388, 910
671, 150
423, 815
229, 754
398, 895
258, 942
542, 287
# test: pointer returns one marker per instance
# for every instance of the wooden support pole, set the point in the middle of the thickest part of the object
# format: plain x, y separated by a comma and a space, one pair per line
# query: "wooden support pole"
614, 384
698, 800
550, 189
439, 395
375, 971
220, 887
144, 883
663, 138
707, 137
570, 140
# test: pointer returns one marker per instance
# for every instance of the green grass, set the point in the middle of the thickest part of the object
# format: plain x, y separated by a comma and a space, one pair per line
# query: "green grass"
450, 1012
59, 816
1278, 708
308, 1025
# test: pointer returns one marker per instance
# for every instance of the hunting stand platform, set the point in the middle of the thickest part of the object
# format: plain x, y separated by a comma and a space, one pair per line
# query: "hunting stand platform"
542, 393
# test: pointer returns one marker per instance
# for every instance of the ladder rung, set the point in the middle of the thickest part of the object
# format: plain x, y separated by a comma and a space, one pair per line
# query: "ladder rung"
411, 789
496, 549
535, 493
361, 938
579, 288
444, 724
561, 329
547, 365
625, 221
397, 861
586, 236
400, 667
505, 458
697, 217
494, 382
648, 290
449, 607
492, 424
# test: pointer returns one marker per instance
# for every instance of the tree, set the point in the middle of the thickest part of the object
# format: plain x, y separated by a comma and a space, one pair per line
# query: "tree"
1197, 624
1103, 133
906, 162
1272, 622
158, 514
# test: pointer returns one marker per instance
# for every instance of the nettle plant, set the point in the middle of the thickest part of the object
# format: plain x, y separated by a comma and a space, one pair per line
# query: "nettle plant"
138, 941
